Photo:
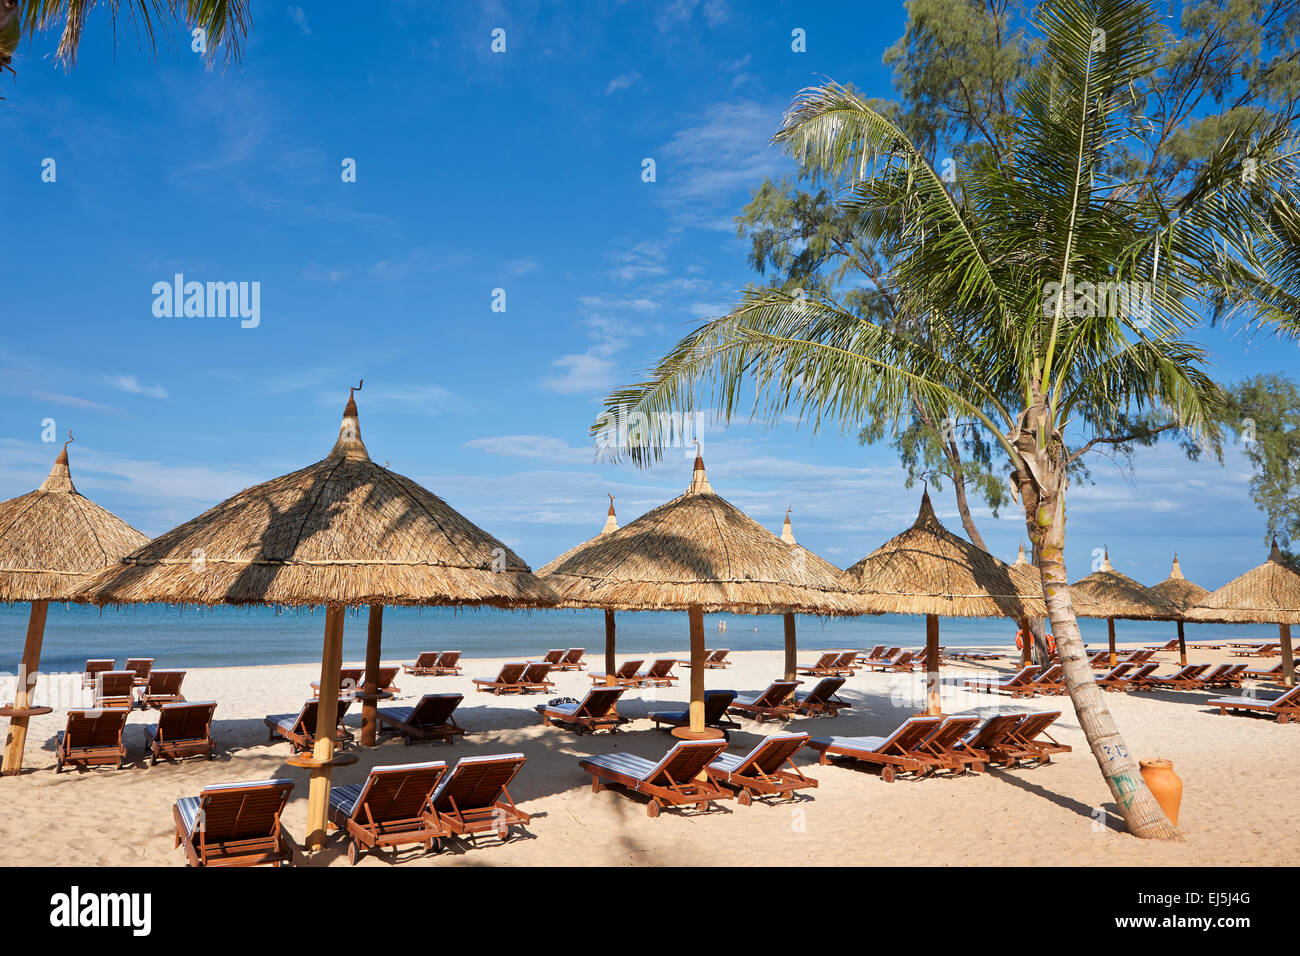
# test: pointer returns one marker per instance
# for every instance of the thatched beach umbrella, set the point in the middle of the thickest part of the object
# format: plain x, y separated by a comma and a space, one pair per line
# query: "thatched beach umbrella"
929, 570
1183, 595
51, 541
1268, 594
822, 566
1108, 593
696, 553
344, 532
611, 524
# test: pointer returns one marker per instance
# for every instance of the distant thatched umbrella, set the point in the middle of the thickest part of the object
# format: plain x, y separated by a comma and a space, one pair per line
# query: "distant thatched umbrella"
822, 566
1183, 595
611, 524
929, 570
696, 553
1268, 594
1108, 593
342, 532
51, 541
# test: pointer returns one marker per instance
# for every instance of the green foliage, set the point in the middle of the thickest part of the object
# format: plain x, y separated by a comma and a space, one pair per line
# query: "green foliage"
1264, 411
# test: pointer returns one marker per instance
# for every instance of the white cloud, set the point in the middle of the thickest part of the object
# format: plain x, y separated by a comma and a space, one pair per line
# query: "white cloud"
519, 267
729, 151
541, 447
132, 386
622, 82
646, 258
588, 371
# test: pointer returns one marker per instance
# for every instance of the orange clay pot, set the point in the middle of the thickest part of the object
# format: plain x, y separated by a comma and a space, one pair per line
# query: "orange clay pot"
1164, 784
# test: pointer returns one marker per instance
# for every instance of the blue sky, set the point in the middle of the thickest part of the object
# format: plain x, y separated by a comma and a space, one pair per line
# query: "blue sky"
475, 171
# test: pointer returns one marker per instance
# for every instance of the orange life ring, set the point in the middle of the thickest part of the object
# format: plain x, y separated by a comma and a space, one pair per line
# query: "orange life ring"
1051, 643
1020, 644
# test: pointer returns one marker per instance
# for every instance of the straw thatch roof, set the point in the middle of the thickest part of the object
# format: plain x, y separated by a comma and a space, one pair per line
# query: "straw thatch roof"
929, 570
1179, 591
1027, 578
611, 524
1268, 594
821, 564
53, 539
342, 531
1110, 594
698, 550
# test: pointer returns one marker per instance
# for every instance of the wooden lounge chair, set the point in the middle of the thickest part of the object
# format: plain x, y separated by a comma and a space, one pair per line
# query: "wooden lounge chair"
1029, 739
1271, 674
426, 664
658, 674
922, 658
1225, 676
572, 660
430, 719
535, 677
625, 675
300, 728
943, 745
448, 664
509, 680
1256, 650
91, 738
142, 666
875, 654
772, 703
900, 662
900, 752
1185, 678
554, 657
825, 666
976, 655
234, 824
595, 711
183, 730
384, 677
713, 659
760, 773
164, 687
115, 689
389, 809
350, 680
1051, 681
672, 781
1101, 659
990, 742
94, 668
473, 798
1284, 707
1124, 678
716, 703
1169, 645
1019, 684
821, 700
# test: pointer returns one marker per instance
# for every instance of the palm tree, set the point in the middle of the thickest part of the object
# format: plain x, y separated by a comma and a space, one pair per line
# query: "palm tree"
224, 22
1051, 289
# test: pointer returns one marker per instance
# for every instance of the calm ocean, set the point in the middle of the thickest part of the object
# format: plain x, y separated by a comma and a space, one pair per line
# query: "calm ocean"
227, 636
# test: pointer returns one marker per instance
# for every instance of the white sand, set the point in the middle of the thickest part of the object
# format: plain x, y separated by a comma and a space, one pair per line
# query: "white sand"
1238, 803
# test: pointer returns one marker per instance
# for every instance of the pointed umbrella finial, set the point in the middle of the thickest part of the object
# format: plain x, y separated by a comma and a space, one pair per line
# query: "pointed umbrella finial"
349, 444
787, 532
699, 477
1020, 558
926, 516
1105, 559
60, 478
1176, 572
611, 520
1275, 553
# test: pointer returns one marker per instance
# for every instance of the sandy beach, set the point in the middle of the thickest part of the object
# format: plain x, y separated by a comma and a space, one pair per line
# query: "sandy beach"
1236, 771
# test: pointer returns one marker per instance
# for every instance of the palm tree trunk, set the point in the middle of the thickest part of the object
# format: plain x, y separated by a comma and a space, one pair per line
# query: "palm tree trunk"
1042, 487
959, 489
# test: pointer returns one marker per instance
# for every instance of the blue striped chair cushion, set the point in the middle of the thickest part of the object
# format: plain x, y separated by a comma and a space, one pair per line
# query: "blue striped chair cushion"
189, 808
345, 798
627, 764
668, 715
853, 743
399, 714
563, 708
728, 763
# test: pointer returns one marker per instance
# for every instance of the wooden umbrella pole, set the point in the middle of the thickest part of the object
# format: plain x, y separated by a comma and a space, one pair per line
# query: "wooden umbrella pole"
1182, 646
1026, 643
17, 739
790, 647
1288, 655
1110, 629
610, 666
370, 697
696, 614
327, 714
933, 703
